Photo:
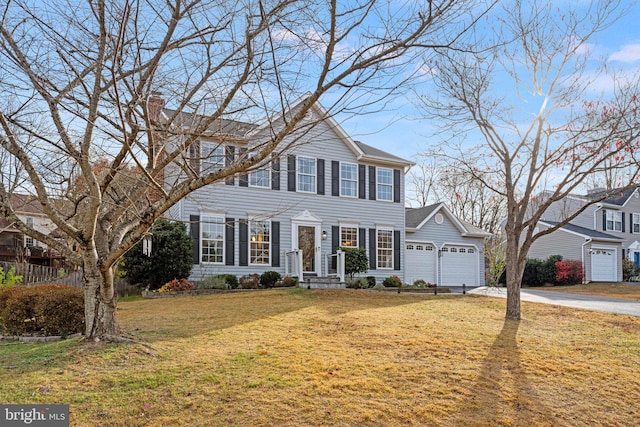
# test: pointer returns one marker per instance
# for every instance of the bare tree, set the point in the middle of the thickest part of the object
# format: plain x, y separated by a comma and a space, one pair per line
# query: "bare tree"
527, 100
82, 77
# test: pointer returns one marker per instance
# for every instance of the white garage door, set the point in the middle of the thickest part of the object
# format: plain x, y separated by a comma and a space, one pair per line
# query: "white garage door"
421, 263
603, 265
459, 266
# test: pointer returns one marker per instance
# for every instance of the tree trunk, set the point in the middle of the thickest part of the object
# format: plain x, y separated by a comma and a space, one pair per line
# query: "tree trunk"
515, 269
100, 303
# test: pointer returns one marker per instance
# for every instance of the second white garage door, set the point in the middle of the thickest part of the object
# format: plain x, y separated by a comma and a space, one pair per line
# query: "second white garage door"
459, 266
603, 265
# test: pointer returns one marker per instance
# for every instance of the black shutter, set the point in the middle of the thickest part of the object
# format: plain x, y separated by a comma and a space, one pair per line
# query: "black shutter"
291, 173
275, 174
229, 241
320, 176
623, 254
230, 153
630, 223
244, 243
275, 244
335, 178
194, 230
362, 237
335, 238
396, 186
243, 181
362, 181
604, 220
396, 249
622, 215
373, 256
372, 183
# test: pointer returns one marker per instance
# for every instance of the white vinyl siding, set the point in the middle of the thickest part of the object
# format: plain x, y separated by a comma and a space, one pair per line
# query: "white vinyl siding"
349, 180
306, 175
259, 242
384, 184
212, 239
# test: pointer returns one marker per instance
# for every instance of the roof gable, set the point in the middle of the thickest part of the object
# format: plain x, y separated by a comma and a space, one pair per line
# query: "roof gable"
416, 218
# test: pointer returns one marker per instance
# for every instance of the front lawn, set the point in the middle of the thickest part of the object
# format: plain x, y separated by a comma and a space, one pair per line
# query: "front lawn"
339, 358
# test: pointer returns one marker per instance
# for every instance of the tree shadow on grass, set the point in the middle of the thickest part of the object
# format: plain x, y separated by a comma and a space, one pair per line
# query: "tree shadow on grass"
503, 393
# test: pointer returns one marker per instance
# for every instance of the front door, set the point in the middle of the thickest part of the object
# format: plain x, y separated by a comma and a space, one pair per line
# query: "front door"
307, 244
636, 259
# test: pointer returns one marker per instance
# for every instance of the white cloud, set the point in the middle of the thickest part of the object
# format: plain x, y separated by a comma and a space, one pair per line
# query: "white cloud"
629, 53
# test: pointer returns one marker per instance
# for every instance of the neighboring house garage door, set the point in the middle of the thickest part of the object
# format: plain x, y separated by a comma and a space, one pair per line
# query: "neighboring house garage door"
421, 262
603, 265
459, 266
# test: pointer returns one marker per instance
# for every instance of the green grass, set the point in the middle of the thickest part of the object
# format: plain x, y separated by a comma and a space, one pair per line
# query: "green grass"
339, 358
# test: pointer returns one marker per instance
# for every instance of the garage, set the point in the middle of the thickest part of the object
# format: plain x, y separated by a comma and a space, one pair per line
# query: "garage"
603, 265
421, 262
459, 266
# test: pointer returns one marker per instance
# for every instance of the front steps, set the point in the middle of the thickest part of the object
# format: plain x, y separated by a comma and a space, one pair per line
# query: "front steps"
314, 282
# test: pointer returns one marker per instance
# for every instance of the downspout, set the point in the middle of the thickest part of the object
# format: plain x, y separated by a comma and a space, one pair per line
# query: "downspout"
595, 218
584, 279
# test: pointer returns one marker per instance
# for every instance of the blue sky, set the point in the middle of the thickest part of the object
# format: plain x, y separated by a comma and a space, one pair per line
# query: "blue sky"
399, 130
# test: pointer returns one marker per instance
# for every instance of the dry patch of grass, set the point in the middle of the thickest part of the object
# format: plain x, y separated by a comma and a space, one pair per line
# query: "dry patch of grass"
340, 358
612, 290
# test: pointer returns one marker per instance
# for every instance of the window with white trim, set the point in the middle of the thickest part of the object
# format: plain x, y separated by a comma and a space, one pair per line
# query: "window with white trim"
259, 242
260, 178
212, 157
384, 184
349, 236
348, 179
385, 248
306, 172
212, 239
614, 221
635, 223
28, 241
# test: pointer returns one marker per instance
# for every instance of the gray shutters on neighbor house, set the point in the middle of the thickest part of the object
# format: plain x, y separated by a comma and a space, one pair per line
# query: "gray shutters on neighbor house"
320, 176
230, 153
362, 181
396, 186
275, 174
396, 249
372, 183
194, 231
291, 173
243, 181
335, 178
373, 253
243, 246
229, 241
275, 244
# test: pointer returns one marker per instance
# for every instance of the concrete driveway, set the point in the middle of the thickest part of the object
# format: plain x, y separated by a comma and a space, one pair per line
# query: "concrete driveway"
586, 302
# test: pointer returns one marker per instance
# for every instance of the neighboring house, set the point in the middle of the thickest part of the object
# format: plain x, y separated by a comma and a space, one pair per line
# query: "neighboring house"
442, 249
327, 191
17, 247
601, 236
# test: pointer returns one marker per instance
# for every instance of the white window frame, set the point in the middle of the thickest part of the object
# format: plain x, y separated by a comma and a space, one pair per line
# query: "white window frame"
635, 223
615, 219
348, 182
384, 253
207, 219
209, 151
258, 244
384, 188
302, 171
260, 178
344, 227
29, 241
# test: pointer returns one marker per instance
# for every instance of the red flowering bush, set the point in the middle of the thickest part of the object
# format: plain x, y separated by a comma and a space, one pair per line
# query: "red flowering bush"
569, 273
177, 285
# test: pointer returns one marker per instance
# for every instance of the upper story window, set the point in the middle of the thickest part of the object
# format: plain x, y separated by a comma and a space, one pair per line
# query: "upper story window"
349, 236
384, 184
306, 174
260, 178
212, 239
348, 179
29, 240
614, 221
635, 223
212, 156
260, 242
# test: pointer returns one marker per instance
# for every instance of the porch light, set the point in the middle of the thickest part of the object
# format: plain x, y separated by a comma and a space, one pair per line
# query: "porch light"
324, 235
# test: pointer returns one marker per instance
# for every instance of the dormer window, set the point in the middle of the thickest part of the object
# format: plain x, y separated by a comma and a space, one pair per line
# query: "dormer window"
613, 221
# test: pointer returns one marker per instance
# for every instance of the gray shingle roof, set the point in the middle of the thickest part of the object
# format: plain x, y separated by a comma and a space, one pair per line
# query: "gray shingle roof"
594, 234
220, 126
375, 152
415, 216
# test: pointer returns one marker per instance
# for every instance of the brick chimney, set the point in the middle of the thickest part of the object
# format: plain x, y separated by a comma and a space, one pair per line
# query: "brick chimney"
155, 104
